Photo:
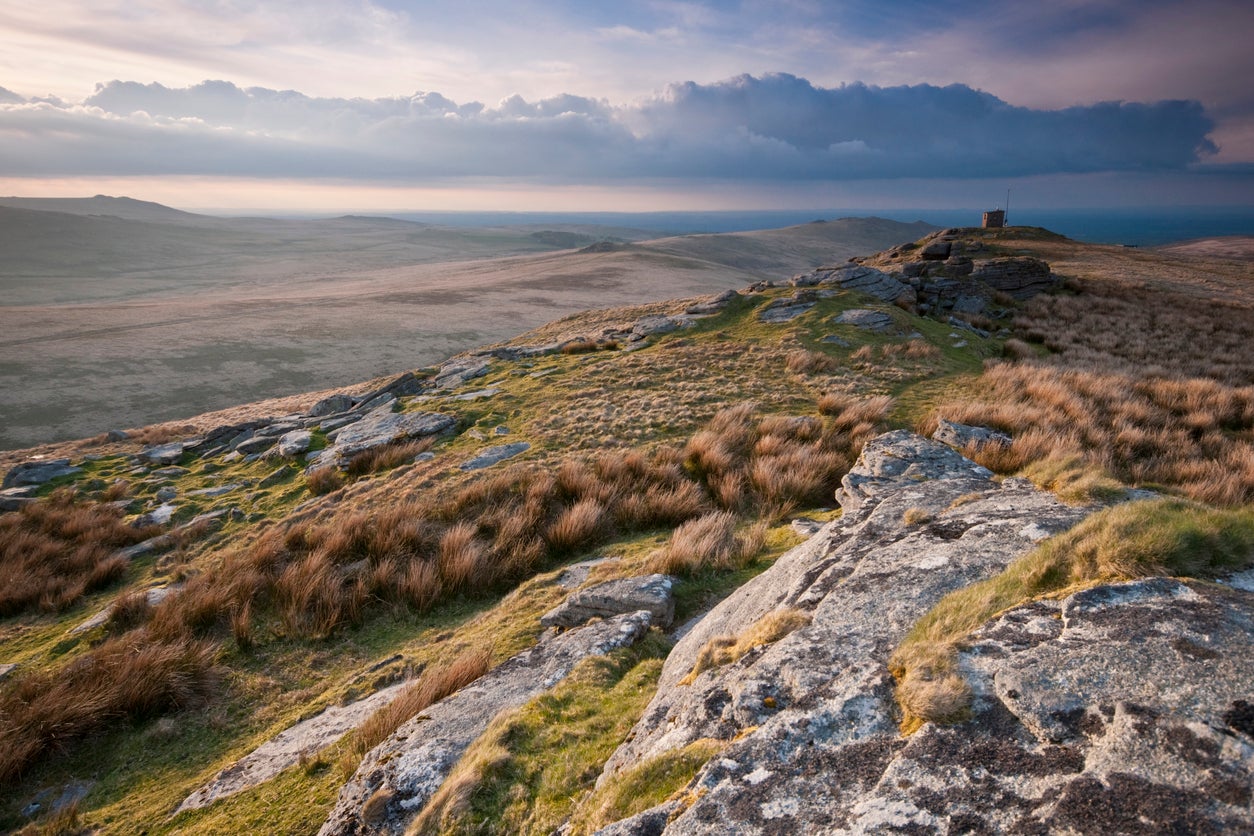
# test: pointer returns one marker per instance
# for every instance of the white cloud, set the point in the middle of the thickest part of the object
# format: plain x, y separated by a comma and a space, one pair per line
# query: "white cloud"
770, 128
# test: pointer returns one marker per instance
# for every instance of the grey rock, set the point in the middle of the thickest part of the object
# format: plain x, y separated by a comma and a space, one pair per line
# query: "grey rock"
805, 527
936, 250
220, 490
117, 435
424, 456
1121, 709
958, 436
711, 305
331, 405
170, 472
13, 499
157, 516
497, 453
866, 319
306, 738
478, 394
625, 595
332, 424
410, 766
6, 670
866, 280
649, 326
255, 444
294, 443
382, 427
456, 372
810, 722
280, 427
163, 453
1020, 276
167, 493
500, 429
38, 472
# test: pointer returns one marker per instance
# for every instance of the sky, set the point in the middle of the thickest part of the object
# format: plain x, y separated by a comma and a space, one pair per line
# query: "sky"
309, 105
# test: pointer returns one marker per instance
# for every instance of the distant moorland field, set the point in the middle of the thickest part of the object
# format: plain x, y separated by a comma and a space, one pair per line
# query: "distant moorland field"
117, 313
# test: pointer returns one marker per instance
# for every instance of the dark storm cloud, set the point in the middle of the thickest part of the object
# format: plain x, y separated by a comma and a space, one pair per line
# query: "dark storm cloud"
774, 127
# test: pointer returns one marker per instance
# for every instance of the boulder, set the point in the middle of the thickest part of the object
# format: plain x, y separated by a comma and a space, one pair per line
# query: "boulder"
651, 592
809, 721
331, 405
1019, 276
456, 372
163, 453
12, 499
866, 280
711, 305
38, 472
294, 443
648, 326
497, 453
400, 775
381, 427
936, 250
958, 436
254, 444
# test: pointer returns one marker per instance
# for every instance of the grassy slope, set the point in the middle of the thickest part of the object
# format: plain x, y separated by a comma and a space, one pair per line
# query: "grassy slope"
563, 405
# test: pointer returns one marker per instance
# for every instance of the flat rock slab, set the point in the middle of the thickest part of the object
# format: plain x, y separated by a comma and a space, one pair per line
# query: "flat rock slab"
497, 453
784, 310
857, 278
866, 319
38, 472
810, 721
286, 749
651, 592
958, 436
294, 443
381, 427
404, 771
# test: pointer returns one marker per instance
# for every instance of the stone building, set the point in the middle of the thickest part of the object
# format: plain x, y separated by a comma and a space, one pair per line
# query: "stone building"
994, 219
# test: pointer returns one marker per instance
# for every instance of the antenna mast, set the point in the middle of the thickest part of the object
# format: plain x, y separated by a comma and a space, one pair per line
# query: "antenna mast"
1006, 217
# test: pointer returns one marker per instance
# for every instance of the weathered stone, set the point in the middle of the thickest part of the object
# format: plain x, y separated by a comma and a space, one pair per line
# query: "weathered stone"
404, 771
809, 721
38, 472
866, 280
167, 493
1020, 276
456, 372
936, 250
12, 499
6, 670
157, 516
219, 490
625, 595
331, 405
478, 394
649, 326
712, 305
497, 453
866, 319
163, 453
958, 436
304, 739
379, 428
254, 444
276, 476
294, 443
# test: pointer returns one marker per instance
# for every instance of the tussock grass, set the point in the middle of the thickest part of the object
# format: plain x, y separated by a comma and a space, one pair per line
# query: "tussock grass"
1133, 540
324, 480
54, 551
386, 457
126, 677
1195, 436
708, 542
723, 650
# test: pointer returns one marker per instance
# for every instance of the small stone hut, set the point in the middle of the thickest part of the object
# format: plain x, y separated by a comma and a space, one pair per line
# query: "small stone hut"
994, 219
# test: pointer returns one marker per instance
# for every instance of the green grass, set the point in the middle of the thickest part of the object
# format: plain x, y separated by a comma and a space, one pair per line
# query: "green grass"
1134, 540
525, 772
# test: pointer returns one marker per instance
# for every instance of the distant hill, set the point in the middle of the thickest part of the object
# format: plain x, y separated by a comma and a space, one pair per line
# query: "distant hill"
126, 208
1239, 247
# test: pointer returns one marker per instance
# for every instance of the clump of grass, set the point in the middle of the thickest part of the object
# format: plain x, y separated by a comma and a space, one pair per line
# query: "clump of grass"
527, 770
915, 516
1073, 480
126, 677
162, 433
65, 821
54, 551
1016, 349
324, 480
644, 786
589, 346
1133, 540
723, 650
705, 543
433, 685
803, 361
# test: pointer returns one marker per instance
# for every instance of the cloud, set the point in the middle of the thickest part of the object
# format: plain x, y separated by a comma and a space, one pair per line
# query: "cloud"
774, 127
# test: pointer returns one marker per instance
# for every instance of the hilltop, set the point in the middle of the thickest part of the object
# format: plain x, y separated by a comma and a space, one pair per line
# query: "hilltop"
956, 535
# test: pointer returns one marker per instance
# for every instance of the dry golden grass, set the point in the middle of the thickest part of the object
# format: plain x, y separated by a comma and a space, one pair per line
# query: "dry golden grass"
723, 650
127, 677
708, 542
54, 551
324, 480
432, 686
383, 458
